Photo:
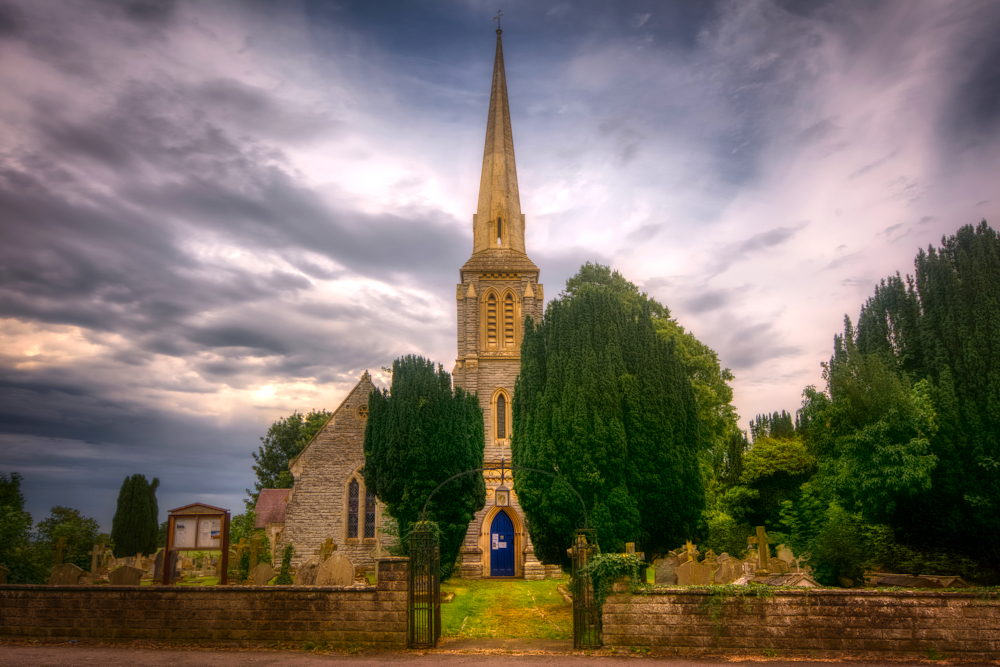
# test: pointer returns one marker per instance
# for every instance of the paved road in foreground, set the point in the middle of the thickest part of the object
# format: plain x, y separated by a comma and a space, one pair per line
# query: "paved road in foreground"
91, 656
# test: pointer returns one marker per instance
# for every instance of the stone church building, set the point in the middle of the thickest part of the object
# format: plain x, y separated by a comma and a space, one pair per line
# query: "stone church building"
498, 287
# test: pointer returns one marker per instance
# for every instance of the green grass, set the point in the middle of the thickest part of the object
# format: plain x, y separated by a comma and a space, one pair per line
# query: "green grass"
506, 609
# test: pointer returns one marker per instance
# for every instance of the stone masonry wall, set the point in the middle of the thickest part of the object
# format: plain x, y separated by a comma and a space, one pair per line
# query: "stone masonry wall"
317, 510
825, 620
369, 615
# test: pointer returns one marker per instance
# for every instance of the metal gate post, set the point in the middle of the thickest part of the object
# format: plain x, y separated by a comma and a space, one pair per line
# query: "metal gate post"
586, 614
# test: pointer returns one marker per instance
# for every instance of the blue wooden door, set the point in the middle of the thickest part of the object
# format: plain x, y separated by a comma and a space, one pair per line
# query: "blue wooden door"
502, 546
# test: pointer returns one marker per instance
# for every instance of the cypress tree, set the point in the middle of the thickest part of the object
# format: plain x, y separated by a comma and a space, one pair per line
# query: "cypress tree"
134, 528
420, 433
606, 403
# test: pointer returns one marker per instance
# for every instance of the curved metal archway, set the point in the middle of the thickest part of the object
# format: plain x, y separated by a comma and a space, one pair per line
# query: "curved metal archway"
502, 468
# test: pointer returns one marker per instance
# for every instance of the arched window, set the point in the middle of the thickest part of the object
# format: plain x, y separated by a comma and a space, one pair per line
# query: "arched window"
352, 509
499, 230
508, 321
369, 513
491, 320
501, 417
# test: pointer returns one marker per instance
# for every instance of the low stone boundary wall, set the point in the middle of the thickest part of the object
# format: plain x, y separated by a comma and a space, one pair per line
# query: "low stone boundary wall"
343, 616
928, 623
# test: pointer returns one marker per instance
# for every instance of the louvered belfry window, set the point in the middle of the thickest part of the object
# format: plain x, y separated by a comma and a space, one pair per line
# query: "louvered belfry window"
352, 509
491, 320
499, 230
369, 513
501, 417
508, 321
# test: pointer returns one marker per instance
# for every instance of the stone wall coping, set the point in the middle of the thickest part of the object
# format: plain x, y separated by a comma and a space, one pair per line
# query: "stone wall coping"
393, 559
811, 592
194, 590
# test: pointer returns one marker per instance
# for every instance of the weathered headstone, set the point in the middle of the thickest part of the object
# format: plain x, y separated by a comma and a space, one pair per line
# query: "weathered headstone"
326, 549
337, 570
306, 574
730, 569
630, 547
4, 573
665, 570
60, 549
784, 552
125, 576
262, 574
66, 574
158, 566
777, 566
693, 573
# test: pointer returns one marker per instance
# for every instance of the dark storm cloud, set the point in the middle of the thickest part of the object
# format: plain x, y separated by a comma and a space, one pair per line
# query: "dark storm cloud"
708, 301
735, 252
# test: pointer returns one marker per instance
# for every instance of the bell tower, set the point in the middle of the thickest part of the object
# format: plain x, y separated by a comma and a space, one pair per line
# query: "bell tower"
498, 288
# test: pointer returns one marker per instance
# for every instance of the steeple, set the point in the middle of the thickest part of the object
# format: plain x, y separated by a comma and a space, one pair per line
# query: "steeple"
498, 223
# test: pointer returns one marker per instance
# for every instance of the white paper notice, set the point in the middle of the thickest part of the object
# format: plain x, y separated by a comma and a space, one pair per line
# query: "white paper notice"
208, 533
183, 533
502, 545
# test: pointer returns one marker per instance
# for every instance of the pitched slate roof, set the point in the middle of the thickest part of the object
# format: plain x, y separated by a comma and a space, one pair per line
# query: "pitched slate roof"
270, 507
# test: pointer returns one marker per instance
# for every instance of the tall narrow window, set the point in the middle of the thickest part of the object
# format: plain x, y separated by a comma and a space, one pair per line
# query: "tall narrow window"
491, 320
499, 230
501, 417
369, 513
508, 321
352, 509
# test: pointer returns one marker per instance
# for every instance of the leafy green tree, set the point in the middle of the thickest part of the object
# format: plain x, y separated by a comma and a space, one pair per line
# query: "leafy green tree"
18, 552
285, 440
80, 532
420, 433
135, 526
606, 402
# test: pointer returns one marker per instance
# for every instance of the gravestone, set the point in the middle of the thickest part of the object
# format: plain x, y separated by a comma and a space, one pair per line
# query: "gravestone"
4, 573
337, 570
326, 549
730, 569
125, 576
66, 574
785, 553
693, 573
630, 547
763, 550
665, 570
777, 566
262, 574
95, 556
306, 574
218, 564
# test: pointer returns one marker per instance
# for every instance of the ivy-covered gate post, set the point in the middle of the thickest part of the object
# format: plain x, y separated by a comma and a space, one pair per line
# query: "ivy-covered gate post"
424, 624
586, 611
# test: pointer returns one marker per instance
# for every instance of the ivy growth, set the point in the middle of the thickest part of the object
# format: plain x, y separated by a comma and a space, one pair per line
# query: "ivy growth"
605, 569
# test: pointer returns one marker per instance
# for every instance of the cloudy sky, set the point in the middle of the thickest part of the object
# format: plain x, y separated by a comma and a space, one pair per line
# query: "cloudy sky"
214, 213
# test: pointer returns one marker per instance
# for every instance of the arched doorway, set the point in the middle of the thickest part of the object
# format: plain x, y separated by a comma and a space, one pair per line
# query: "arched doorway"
502, 552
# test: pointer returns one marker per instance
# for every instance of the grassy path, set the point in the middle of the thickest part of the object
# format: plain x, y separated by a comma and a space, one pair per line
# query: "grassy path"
506, 609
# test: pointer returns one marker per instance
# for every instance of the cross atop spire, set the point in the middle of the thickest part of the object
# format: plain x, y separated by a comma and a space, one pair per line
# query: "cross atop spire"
498, 224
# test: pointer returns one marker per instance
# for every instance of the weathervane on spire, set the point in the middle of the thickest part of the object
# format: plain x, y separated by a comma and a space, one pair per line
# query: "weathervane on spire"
497, 19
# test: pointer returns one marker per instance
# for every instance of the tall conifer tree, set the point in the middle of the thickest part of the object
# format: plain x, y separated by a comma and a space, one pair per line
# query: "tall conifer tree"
607, 404
134, 528
420, 433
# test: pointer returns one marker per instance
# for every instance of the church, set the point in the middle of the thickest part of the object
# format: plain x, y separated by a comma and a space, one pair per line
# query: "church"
498, 287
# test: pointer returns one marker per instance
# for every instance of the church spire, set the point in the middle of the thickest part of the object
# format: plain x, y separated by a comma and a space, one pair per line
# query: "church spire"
498, 224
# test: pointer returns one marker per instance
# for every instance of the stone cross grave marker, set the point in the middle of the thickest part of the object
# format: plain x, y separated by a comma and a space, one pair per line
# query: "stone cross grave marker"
763, 552
326, 549
95, 556
60, 547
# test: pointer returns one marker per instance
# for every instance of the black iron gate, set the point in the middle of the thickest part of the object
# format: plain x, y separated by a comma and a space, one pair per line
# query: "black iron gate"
424, 626
586, 612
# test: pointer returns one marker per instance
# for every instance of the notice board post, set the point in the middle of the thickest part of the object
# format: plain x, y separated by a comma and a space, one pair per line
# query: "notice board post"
197, 527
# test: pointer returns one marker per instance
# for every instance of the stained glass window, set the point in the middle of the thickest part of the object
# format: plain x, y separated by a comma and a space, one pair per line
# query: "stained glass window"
501, 416
369, 514
352, 509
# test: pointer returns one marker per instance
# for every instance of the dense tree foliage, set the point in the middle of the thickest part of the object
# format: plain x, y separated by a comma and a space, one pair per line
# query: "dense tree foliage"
17, 551
135, 526
607, 404
285, 439
80, 532
420, 433
907, 432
